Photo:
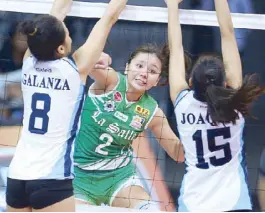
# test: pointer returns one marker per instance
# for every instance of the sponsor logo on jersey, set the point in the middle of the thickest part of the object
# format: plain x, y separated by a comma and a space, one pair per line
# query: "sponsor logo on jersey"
109, 106
137, 122
41, 69
142, 111
114, 128
117, 96
121, 116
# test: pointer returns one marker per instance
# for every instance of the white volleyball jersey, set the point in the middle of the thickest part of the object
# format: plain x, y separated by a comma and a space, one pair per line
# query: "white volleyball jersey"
215, 178
53, 96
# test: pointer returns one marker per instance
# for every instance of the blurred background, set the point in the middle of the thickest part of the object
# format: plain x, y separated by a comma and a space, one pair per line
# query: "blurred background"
124, 38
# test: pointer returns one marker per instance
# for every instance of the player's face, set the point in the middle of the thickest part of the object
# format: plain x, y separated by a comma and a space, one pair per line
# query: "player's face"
144, 71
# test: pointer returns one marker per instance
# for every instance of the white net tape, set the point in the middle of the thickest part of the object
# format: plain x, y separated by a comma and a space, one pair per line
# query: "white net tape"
135, 13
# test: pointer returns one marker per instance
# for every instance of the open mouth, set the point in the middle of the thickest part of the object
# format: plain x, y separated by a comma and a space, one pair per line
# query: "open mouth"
141, 82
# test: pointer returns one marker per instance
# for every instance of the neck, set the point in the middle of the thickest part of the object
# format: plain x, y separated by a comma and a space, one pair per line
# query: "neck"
133, 95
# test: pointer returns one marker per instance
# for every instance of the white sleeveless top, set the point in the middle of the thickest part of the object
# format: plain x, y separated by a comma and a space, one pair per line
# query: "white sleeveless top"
215, 178
53, 97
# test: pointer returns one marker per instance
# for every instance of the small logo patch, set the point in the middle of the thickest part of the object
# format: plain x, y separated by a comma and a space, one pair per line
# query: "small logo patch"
109, 106
137, 122
121, 116
142, 111
117, 97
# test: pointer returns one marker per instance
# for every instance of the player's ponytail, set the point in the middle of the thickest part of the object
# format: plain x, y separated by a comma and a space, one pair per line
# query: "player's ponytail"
223, 103
44, 35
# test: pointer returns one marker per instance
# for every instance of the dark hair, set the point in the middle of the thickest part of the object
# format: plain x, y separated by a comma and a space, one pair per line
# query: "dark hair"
166, 56
44, 35
147, 48
224, 103
162, 54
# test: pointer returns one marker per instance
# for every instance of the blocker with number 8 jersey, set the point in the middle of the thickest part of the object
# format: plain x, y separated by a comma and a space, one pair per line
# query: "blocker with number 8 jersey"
55, 93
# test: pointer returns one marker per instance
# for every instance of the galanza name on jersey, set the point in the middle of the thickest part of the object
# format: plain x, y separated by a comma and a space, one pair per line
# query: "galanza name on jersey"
48, 83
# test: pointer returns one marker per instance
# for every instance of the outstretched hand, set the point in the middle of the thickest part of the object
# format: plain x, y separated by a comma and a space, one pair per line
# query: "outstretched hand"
104, 61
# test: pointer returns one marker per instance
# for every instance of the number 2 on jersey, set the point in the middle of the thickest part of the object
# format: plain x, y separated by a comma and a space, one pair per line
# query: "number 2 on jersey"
101, 146
39, 112
211, 135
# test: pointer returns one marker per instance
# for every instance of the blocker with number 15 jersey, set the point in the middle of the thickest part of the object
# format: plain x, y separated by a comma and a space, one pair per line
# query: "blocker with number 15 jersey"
109, 124
53, 95
215, 177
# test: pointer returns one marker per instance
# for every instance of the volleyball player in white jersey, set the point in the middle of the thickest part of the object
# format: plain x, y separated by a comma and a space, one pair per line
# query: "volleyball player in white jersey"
210, 119
40, 174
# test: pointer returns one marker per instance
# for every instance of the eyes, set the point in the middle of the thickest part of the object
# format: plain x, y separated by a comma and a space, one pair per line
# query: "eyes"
150, 70
139, 66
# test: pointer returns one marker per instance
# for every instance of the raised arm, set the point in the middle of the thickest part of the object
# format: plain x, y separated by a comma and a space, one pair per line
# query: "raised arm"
60, 8
166, 137
230, 51
88, 54
177, 81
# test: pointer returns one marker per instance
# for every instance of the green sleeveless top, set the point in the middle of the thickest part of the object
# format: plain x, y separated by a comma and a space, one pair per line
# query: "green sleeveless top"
109, 124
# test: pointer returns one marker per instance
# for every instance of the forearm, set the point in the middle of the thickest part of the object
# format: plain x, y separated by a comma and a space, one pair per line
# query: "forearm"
174, 29
230, 51
174, 149
176, 63
113, 11
224, 17
60, 8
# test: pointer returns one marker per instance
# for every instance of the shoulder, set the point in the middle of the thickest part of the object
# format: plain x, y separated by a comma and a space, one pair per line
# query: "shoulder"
69, 62
157, 118
150, 99
29, 61
182, 96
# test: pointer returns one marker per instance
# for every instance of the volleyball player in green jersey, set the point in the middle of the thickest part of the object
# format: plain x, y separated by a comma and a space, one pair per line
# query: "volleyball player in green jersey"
115, 112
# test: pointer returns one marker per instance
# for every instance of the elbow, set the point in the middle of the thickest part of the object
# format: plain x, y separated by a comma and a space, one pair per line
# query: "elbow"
179, 153
107, 21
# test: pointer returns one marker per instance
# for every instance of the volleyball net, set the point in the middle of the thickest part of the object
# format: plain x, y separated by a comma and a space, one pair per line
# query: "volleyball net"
137, 25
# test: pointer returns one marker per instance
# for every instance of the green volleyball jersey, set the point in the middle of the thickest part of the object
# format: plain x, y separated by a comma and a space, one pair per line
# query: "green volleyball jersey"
109, 124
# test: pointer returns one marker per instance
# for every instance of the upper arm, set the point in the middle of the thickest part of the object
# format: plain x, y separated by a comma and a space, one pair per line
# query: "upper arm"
88, 54
230, 51
166, 137
177, 76
104, 78
177, 72
160, 126
232, 61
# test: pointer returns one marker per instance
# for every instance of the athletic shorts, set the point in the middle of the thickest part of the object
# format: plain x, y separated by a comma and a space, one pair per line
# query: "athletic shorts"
37, 194
101, 187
